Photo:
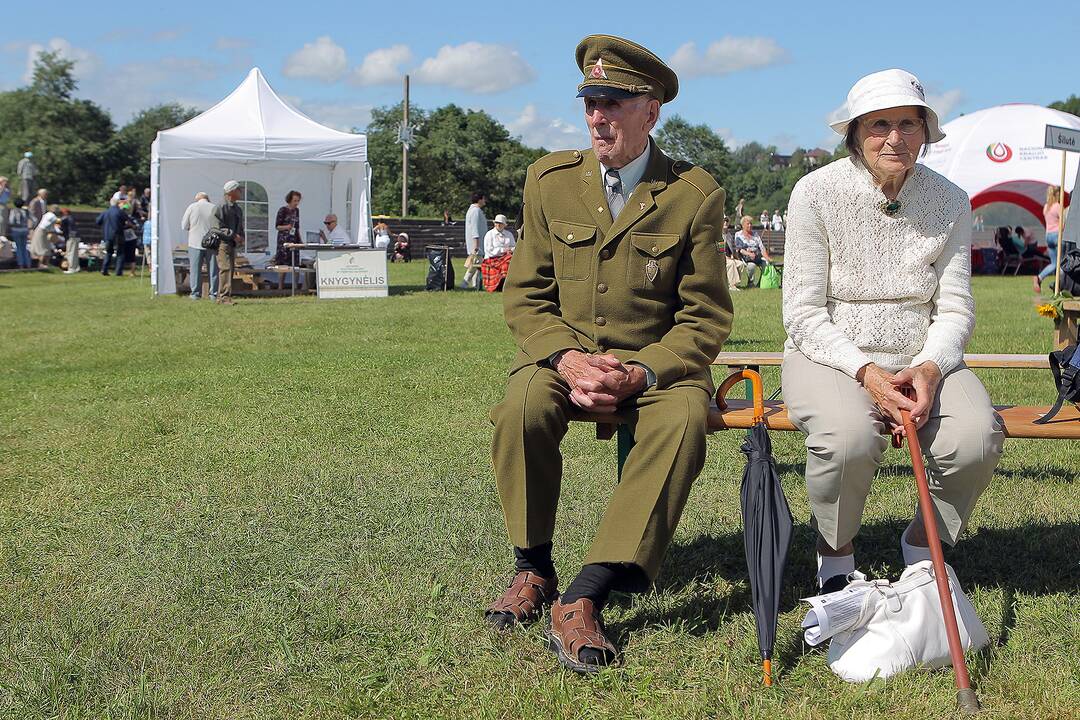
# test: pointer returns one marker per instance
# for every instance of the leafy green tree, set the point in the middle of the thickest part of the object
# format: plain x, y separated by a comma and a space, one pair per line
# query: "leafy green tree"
455, 152
128, 150
68, 137
696, 144
1069, 105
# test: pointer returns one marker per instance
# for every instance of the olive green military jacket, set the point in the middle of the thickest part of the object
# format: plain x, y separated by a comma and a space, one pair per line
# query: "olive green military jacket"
650, 287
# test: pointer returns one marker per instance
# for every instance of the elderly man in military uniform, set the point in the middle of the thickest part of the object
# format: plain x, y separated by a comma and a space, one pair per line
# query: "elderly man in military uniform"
618, 301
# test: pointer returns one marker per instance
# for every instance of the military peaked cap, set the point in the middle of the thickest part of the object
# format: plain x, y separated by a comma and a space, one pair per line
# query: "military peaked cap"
618, 68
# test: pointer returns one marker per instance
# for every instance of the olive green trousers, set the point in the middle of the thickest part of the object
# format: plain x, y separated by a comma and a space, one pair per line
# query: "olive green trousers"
669, 451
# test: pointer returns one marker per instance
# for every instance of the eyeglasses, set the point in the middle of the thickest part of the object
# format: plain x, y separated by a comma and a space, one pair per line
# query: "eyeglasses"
882, 127
329, 222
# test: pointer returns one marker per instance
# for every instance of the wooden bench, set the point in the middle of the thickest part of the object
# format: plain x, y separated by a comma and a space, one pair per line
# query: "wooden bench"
1018, 420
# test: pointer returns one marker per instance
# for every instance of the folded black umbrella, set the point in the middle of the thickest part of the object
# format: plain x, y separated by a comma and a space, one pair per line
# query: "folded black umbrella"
767, 523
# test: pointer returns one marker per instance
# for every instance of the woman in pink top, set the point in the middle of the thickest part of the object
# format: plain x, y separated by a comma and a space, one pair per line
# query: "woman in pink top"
1052, 214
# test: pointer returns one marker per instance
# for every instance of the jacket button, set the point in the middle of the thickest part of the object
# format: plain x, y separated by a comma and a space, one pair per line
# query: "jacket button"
599, 209
655, 249
604, 254
570, 236
601, 320
601, 288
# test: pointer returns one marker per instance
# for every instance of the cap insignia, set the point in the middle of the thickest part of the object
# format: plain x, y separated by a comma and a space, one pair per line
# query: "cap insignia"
597, 72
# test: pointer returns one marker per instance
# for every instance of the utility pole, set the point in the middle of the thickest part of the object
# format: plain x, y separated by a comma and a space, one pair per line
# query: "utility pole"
405, 152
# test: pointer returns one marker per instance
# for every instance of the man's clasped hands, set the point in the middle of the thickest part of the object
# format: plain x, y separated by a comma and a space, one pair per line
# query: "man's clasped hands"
598, 383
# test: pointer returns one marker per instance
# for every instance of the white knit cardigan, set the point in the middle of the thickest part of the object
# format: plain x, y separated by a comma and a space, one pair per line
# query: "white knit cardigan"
861, 287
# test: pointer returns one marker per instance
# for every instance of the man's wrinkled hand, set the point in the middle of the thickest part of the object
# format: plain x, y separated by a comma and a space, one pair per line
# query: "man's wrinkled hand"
598, 383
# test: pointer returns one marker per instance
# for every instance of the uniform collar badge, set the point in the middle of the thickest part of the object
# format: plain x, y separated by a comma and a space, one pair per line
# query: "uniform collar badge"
598, 70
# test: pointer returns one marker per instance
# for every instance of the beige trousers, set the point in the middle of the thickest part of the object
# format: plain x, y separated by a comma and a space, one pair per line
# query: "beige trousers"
961, 442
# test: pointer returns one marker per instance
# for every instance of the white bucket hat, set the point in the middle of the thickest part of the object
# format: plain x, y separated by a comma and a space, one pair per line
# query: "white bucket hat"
501, 219
888, 89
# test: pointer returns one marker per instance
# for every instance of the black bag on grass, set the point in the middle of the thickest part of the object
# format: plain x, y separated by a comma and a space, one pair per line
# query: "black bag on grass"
440, 274
1065, 364
1070, 272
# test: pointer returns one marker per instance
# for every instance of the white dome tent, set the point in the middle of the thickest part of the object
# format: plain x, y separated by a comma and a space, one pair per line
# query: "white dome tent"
270, 147
998, 155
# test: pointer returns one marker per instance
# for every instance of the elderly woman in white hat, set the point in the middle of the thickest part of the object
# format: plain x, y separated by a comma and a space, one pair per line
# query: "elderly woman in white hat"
877, 296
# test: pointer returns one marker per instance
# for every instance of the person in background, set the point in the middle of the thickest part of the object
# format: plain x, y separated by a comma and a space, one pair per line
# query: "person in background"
41, 248
382, 236
119, 196
19, 226
198, 220
113, 222
144, 202
27, 171
5, 195
475, 229
1052, 216
446, 219
230, 218
777, 221
751, 250
147, 241
332, 233
1026, 244
71, 241
763, 220
287, 225
132, 233
402, 249
739, 207
498, 250
39, 206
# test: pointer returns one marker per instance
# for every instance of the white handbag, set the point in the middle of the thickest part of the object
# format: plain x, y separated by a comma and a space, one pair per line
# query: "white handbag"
901, 627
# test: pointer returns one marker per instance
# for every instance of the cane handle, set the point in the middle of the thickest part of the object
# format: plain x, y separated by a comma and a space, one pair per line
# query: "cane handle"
755, 381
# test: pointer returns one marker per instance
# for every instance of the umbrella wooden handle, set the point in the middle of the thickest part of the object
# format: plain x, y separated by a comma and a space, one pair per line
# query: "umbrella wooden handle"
965, 696
759, 393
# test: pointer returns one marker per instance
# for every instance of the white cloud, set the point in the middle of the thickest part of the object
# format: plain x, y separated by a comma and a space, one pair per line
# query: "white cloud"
727, 55
382, 66
945, 103
340, 116
477, 67
728, 136
231, 43
86, 62
550, 133
321, 60
169, 35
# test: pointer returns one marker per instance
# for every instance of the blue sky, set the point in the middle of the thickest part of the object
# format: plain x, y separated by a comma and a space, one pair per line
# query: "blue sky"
771, 72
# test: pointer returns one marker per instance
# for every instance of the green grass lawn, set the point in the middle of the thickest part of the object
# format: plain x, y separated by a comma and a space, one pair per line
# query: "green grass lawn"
286, 509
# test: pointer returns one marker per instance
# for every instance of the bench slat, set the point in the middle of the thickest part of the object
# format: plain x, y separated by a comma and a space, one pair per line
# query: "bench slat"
1018, 419
973, 360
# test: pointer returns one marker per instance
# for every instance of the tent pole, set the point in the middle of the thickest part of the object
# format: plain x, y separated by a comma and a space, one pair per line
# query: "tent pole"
1061, 226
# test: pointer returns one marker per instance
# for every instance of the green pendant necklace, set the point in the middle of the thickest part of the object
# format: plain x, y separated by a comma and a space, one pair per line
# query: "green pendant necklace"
890, 207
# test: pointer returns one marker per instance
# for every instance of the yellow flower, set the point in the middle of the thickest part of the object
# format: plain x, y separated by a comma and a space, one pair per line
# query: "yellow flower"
1047, 311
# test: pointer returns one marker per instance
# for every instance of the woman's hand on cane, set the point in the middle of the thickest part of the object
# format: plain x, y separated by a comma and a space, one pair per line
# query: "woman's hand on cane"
885, 394
924, 379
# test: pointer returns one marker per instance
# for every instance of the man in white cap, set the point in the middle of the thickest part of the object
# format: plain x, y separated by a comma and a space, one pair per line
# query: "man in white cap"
231, 219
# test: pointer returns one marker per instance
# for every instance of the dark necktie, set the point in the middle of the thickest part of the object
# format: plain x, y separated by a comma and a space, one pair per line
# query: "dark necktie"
615, 192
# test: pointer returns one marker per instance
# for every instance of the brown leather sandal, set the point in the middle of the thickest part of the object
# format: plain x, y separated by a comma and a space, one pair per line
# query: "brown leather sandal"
523, 602
575, 627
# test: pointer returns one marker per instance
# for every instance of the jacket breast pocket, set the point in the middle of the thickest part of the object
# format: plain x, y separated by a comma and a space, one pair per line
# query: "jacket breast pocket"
653, 262
572, 247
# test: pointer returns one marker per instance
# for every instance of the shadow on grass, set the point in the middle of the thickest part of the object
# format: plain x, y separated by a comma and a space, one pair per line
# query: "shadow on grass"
1032, 559
407, 289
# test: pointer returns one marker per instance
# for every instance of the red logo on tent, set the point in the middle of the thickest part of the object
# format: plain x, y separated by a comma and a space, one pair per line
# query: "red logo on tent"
999, 152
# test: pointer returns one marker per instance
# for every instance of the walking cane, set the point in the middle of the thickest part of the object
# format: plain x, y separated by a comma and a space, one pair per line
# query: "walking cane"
966, 699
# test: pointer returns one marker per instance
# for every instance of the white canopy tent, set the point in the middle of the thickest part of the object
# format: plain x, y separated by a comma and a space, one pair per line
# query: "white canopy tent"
998, 155
270, 147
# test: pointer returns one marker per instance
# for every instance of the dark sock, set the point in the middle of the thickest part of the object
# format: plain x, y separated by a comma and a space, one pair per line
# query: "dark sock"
595, 581
535, 559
